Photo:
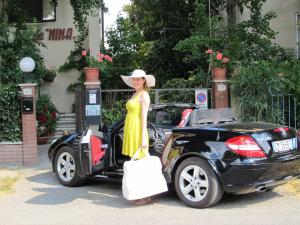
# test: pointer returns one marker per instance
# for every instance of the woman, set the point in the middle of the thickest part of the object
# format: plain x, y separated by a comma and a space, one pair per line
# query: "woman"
135, 127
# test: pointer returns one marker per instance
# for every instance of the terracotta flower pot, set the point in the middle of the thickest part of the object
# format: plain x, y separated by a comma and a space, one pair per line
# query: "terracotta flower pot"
42, 140
91, 74
219, 73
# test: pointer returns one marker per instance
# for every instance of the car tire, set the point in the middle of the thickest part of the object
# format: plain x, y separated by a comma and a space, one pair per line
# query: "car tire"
66, 169
196, 184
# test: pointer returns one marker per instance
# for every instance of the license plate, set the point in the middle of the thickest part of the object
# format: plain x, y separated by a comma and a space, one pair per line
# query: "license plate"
284, 145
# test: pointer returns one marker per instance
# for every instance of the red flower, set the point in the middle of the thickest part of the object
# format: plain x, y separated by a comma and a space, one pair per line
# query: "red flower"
100, 59
84, 53
219, 56
42, 118
108, 58
53, 115
209, 51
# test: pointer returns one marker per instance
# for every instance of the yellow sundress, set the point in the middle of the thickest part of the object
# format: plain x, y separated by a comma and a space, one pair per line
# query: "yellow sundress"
133, 128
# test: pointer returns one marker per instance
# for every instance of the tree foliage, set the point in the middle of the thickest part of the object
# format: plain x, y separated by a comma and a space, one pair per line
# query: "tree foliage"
82, 9
128, 48
17, 41
164, 23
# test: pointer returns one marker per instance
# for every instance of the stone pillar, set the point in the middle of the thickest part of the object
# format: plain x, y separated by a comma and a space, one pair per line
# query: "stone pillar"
92, 85
93, 106
29, 135
220, 91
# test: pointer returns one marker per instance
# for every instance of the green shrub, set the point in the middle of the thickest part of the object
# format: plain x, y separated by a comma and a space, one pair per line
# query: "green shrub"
46, 115
112, 115
10, 115
254, 85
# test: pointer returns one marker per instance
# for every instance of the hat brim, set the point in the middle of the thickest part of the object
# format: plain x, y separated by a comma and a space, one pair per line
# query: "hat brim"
128, 80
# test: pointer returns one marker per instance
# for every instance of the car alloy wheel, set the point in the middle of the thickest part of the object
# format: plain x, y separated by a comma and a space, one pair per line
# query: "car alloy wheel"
193, 183
66, 167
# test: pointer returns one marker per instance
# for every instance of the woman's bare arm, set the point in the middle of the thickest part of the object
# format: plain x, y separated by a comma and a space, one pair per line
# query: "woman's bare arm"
145, 102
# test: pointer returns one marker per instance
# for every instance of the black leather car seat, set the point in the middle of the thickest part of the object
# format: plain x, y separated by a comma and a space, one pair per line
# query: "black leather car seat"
185, 116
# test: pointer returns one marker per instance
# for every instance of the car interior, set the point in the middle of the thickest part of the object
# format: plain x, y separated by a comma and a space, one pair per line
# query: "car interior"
163, 120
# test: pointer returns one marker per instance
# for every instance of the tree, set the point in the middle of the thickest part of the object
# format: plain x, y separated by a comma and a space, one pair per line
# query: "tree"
128, 48
17, 41
164, 23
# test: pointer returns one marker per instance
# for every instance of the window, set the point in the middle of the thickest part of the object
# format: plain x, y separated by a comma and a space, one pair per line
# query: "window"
298, 33
49, 11
169, 116
37, 11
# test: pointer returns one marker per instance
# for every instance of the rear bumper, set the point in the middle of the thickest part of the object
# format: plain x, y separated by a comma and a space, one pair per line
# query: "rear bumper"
250, 177
259, 186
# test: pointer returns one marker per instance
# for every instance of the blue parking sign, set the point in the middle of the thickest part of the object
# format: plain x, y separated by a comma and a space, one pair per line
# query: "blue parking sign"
201, 98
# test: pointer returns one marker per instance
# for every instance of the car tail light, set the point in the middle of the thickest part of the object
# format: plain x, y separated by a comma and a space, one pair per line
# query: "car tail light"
280, 129
245, 146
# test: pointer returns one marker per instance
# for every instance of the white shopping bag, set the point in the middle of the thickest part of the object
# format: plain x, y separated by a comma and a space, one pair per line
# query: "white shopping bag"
143, 178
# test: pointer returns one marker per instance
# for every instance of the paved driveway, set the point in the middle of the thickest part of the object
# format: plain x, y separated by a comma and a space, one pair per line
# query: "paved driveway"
40, 199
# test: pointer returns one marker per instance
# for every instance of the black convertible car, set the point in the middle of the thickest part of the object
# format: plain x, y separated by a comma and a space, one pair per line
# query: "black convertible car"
204, 153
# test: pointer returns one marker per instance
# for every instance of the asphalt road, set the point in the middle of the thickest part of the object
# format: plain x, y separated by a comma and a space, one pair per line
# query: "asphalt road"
40, 200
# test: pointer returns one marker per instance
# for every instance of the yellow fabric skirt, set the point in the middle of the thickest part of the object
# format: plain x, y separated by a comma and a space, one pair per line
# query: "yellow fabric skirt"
132, 140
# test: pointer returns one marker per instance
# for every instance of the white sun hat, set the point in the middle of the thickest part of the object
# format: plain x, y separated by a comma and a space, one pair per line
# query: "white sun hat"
150, 79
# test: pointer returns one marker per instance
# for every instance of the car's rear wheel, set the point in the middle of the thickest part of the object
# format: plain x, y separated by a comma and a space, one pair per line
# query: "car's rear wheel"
196, 183
66, 168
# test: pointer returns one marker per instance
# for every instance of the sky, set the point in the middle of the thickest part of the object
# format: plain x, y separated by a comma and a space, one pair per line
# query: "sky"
114, 7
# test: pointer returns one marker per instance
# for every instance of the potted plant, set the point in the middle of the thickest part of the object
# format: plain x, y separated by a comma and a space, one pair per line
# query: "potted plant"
49, 75
46, 114
218, 63
93, 65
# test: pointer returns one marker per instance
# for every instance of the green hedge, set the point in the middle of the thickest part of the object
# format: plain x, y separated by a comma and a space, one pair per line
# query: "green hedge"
10, 113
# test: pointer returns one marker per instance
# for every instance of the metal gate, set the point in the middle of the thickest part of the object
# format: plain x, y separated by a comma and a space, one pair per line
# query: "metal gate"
284, 109
170, 95
113, 102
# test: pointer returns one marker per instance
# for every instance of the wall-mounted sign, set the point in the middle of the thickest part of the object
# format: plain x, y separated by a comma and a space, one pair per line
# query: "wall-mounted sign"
93, 107
57, 34
27, 91
221, 87
92, 110
201, 98
92, 98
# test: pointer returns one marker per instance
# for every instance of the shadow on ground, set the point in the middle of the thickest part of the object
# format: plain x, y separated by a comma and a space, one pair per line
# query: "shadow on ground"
110, 194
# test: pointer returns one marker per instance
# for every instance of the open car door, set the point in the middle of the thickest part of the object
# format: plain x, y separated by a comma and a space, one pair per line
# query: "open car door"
93, 152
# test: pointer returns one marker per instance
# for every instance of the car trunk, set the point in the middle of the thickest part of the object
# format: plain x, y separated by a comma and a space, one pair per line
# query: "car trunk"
276, 140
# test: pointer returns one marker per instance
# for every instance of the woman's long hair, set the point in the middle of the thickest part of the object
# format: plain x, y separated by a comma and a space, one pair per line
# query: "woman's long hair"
146, 88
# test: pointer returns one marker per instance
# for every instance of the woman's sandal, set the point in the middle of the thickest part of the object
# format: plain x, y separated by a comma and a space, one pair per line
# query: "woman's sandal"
143, 201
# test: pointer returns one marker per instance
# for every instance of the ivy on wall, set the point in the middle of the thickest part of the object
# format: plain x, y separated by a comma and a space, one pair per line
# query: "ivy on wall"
17, 40
10, 117
82, 9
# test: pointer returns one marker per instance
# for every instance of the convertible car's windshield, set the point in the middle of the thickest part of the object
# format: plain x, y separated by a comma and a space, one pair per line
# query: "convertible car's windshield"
169, 116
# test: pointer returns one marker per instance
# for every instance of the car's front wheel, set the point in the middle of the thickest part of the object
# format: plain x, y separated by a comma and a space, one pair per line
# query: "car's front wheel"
66, 168
196, 183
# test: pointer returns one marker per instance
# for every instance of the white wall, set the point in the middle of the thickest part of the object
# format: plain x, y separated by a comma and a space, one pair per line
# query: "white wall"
285, 23
57, 52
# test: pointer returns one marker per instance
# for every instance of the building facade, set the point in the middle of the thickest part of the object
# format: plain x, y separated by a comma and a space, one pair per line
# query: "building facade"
287, 23
58, 34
